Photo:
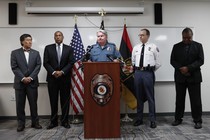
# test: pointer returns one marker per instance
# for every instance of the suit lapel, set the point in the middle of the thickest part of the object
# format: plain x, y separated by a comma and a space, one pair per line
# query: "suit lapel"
62, 52
55, 52
31, 57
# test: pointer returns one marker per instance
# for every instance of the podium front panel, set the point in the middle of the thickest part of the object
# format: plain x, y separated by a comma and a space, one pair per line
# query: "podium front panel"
101, 100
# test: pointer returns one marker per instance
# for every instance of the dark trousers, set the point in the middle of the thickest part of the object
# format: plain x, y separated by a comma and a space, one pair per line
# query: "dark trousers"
32, 95
58, 87
194, 90
144, 86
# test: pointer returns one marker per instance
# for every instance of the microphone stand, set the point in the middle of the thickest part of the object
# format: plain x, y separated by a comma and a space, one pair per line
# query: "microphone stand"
126, 118
75, 120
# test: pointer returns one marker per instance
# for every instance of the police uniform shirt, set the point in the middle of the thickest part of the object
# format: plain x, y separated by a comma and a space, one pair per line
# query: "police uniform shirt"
99, 54
151, 55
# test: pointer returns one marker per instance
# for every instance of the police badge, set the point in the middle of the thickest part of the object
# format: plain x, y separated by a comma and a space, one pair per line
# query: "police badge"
101, 88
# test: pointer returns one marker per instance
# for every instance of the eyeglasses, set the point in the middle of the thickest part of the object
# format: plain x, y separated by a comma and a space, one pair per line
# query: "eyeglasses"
141, 35
100, 35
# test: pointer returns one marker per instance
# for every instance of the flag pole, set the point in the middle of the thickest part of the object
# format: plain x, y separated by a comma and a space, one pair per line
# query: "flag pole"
102, 13
126, 118
75, 120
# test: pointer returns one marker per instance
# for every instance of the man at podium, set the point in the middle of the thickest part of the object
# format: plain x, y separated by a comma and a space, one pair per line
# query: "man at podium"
103, 51
102, 89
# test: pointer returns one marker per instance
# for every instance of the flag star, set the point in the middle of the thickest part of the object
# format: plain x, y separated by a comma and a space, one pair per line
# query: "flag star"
77, 45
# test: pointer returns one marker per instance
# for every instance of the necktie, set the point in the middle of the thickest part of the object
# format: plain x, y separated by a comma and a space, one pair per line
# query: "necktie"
59, 53
142, 56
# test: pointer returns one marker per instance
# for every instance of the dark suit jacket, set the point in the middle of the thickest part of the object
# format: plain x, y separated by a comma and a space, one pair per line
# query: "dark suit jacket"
51, 61
21, 69
193, 59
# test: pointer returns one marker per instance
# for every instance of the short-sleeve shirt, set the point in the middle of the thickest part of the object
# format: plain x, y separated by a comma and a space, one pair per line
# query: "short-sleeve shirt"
151, 55
99, 54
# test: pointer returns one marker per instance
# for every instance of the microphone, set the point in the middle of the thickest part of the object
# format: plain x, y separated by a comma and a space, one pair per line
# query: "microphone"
121, 61
89, 48
110, 57
113, 58
86, 56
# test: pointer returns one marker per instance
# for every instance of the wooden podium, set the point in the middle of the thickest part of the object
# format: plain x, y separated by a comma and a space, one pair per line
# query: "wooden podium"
101, 100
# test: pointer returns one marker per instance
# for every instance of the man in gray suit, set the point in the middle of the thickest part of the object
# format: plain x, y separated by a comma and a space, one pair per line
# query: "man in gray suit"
26, 64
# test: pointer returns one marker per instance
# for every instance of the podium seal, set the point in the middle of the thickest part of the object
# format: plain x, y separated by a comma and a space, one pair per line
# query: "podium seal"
101, 88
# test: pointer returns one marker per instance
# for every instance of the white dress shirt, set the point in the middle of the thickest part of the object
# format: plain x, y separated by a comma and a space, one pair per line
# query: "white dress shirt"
151, 55
26, 53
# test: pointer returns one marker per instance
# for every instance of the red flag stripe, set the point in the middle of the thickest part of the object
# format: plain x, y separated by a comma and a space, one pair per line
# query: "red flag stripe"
77, 91
77, 88
78, 71
76, 100
127, 39
76, 104
80, 76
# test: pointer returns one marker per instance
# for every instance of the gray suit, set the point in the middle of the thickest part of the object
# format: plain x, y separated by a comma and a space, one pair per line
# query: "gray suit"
21, 69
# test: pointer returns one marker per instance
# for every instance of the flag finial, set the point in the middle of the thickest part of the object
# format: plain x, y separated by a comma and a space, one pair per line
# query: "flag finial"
124, 21
75, 19
102, 13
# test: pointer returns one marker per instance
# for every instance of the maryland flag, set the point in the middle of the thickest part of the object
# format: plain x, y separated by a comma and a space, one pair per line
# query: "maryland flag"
127, 78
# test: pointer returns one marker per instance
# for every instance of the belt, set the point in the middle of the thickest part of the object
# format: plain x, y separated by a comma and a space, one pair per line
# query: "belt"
151, 68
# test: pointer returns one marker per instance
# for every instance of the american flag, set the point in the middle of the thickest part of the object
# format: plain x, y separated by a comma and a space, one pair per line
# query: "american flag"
77, 77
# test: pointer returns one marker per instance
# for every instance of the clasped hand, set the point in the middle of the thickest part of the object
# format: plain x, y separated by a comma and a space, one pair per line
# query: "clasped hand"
27, 80
57, 74
185, 71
